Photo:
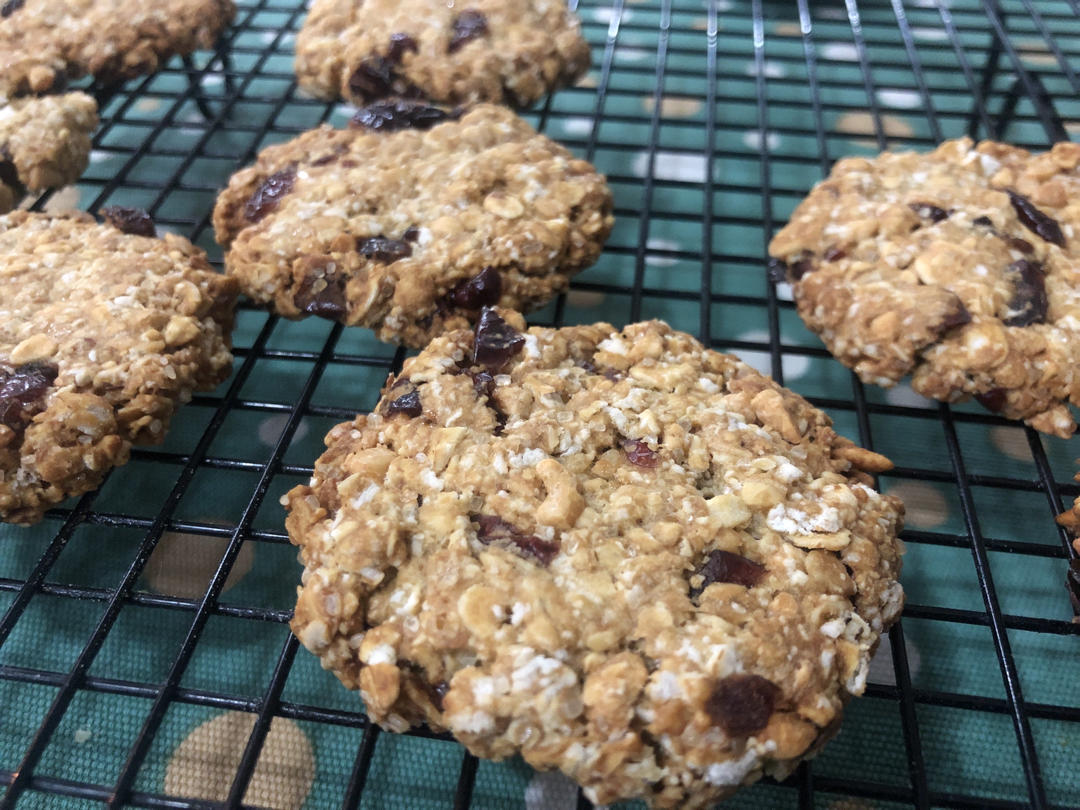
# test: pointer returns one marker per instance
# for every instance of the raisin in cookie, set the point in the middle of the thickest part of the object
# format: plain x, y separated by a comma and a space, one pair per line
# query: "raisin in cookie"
412, 219
960, 267
102, 333
616, 553
481, 50
44, 143
43, 42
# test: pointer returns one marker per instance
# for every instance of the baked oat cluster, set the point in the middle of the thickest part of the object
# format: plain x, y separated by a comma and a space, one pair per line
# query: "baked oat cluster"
616, 553
44, 143
102, 334
511, 51
960, 267
43, 42
412, 219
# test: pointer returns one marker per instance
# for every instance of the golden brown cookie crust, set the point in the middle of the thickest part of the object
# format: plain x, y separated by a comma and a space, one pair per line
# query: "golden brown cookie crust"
960, 267
44, 142
485, 193
44, 43
102, 334
502, 51
618, 554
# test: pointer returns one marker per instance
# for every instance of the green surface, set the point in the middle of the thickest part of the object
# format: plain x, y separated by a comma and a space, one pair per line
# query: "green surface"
756, 172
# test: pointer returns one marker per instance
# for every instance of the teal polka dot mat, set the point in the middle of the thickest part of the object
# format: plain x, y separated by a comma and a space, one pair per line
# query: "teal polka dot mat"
120, 675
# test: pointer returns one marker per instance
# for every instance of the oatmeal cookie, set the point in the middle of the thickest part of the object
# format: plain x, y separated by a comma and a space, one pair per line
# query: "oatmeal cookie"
616, 553
960, 267
44, 143
502, 51
102, 333
412, 219
43, 43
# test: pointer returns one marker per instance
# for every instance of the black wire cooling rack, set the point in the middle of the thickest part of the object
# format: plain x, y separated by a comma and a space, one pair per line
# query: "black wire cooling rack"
711, 119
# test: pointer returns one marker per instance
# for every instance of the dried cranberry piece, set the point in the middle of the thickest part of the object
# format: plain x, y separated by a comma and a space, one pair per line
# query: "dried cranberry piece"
372, 79
958, 317
10, 7
412, 233
929, 211
382, 249
1023, 245
483, 383
269, 194
742, 704
1029, 303
1072, 582
323, 296
493, 529
483, 289
723, 566
134, 221
638, 452
800, 268
467, 26
992, 400
22, 391
390, 116
400, 44
408, 404
496, 341
375, 78
835, 254
1035, 220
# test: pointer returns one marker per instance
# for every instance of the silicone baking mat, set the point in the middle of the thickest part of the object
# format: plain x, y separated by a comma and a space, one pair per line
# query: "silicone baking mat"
145, 657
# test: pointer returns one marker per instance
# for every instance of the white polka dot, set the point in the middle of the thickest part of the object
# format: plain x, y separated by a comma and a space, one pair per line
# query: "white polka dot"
752, 140
840, 51
212, 80
902, 396
270, 429
772, 70
268, 36
721, 5
82, 735
204, 764
577, 126
606, 15
829, 13
1012, 442
183, 564
934, 34
585, 299
344, 111
672, 166
907, 99
632, 54
783, 291
881, 665
794, 365
63, 200
924, 505
97, 155
148, 104
550, 790
661, 244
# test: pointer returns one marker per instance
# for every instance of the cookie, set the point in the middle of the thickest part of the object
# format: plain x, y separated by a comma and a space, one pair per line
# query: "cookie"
412, 219
102, 334
44, 43
960, 267
501, 51
616, 553
44, 143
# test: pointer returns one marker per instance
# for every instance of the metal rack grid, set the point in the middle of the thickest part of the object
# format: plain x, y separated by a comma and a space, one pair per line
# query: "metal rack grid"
711, 120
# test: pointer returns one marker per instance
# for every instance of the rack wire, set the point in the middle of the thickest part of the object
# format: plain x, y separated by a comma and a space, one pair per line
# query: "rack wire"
711, 118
